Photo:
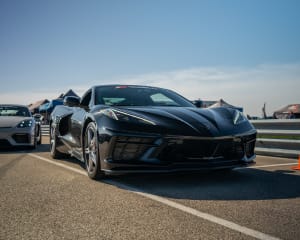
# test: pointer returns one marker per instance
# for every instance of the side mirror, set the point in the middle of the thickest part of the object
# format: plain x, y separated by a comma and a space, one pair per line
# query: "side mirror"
37, 117
72, 101
197, 103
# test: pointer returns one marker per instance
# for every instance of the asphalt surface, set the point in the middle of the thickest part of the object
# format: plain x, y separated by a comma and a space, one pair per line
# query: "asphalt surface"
42, 198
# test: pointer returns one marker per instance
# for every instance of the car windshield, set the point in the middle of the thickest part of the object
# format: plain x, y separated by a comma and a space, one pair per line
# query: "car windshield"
138, 96
14, 111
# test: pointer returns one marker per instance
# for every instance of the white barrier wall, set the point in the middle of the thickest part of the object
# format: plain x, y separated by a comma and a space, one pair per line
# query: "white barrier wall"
278, 137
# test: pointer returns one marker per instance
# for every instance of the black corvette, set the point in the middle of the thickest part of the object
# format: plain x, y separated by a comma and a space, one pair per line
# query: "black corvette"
125, 129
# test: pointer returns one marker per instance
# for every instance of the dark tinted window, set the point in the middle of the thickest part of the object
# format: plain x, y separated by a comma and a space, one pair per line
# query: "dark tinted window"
139, 96
14, 111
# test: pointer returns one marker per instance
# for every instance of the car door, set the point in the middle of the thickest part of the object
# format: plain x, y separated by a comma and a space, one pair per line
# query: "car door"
78, 117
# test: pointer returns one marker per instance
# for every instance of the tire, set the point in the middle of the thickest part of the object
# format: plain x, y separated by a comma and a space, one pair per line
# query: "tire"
39, 142
40, 136
90, 151
34, 144
53, 145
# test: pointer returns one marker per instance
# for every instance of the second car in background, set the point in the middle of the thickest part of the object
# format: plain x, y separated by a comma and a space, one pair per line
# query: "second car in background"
18, 127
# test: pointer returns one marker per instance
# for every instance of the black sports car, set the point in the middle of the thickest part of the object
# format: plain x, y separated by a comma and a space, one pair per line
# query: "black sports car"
122, 129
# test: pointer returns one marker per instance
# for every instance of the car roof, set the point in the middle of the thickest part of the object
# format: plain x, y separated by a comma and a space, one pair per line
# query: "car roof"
126, 85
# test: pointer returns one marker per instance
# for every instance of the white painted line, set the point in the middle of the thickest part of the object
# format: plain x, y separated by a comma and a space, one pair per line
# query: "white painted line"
275, 165
178, 206
59, 164
266, 166
284, 159
192, 211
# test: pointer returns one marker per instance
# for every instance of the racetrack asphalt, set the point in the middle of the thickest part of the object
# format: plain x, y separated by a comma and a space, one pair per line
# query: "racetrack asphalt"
42, 198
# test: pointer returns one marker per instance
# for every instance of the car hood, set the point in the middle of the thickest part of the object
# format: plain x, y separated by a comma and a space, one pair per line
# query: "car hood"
214, 122
11, 121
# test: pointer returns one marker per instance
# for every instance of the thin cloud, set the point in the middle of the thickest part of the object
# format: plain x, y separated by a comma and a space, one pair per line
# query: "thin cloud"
277, 85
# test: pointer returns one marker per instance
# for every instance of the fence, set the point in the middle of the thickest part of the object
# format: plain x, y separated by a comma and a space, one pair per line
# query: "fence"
278, 137
275, 137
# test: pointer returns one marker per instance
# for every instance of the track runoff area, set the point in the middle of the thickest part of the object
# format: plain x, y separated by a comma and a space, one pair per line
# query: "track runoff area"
175, 205
270, 165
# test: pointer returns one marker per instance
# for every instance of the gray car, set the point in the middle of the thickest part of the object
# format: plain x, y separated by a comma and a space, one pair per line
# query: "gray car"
18, 127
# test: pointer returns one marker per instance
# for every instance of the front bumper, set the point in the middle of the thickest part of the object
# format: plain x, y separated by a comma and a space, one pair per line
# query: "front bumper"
132, 153
12, 136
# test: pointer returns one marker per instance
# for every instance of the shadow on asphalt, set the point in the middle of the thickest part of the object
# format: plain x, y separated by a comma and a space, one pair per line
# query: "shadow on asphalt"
242, 184
42, 148
69, 159
24, 149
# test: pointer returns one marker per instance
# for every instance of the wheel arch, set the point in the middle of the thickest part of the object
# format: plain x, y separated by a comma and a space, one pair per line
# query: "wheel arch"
86, 123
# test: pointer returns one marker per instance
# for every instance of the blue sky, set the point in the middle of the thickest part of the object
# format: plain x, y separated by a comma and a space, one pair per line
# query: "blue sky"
247, 52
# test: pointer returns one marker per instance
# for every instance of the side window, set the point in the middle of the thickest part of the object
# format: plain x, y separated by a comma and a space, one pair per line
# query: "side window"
160, 99
85, 101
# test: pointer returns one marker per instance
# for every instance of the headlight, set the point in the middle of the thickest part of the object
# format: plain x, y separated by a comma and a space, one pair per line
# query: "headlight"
238, 117
125, 117
25, 124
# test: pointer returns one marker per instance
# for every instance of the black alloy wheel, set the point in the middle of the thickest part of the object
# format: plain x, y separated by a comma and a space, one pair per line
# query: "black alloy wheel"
34, 144
91, 153
53, 144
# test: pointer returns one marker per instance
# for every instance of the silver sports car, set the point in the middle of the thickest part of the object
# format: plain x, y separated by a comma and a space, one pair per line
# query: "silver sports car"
18, 127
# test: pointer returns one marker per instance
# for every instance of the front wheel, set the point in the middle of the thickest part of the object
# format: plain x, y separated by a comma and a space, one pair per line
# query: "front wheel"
39, 141
53, 144
34, 144
91, 153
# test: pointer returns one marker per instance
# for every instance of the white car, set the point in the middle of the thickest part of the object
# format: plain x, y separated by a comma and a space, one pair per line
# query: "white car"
18, 127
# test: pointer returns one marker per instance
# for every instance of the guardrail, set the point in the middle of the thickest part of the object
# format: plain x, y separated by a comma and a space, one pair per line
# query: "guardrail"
278, 137
275, 137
